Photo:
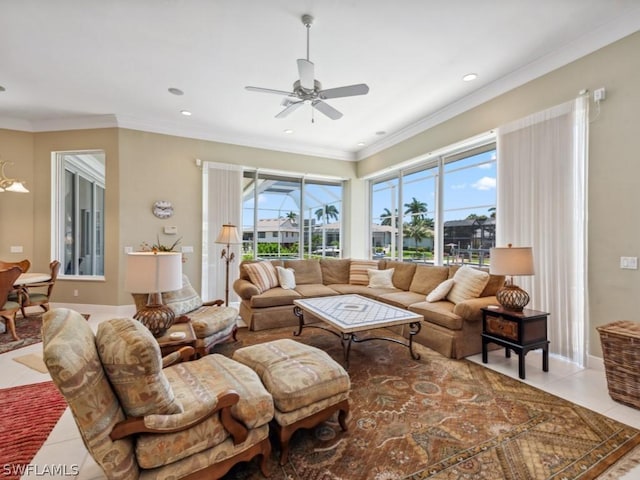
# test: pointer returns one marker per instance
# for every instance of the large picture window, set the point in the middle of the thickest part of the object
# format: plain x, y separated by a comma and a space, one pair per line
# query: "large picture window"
291, 217
78, 213
439, 212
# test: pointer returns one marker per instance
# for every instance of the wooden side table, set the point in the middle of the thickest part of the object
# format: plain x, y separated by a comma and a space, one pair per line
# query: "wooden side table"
517, 331
169, 345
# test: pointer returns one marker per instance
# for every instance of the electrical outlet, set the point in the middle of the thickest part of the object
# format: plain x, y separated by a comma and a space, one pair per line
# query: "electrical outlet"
75, 293
629, 263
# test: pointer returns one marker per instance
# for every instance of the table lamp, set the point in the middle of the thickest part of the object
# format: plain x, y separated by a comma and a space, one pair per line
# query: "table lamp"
228, 236
154, 273
512, 261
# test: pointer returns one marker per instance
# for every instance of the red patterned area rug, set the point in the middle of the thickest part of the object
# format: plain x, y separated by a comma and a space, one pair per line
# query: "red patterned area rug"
29, 413
28, 329
437, 419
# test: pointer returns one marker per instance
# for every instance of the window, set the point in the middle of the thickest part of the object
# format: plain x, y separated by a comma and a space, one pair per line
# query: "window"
438, 212
78, 212
294, 217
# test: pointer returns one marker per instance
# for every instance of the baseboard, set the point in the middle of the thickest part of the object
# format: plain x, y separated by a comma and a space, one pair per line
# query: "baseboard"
595, 363
115, 310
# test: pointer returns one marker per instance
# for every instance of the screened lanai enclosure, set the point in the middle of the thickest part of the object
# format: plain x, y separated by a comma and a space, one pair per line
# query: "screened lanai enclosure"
289, 217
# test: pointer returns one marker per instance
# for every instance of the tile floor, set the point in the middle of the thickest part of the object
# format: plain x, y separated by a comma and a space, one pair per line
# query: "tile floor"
585, 387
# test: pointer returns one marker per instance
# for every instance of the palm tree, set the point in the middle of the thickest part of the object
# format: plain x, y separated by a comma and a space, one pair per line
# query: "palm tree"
418, 230
292, 216
492, 211
386, 217
416, 208
326, 213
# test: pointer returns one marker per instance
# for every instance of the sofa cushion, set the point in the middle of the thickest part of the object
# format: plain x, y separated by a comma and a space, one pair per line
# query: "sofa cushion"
403, 273
426, 278
468, 282
315, 290
131, 358
380, 278
358, 274
440, 313
401, 299
335, 270
262, 274
243, 273
307, 271
274, 297
184, 300
496, 282
286, 277
441, 291
364, 290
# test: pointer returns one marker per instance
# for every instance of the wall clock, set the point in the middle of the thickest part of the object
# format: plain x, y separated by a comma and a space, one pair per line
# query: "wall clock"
162, 209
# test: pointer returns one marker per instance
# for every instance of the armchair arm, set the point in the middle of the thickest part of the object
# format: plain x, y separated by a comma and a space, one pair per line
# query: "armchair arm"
183, 354
186, 420
213, 303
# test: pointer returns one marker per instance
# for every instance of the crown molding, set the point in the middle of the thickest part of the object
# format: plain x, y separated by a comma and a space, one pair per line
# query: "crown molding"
607, 34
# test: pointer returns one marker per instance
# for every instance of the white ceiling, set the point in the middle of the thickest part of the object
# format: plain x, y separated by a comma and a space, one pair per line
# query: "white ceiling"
79, 64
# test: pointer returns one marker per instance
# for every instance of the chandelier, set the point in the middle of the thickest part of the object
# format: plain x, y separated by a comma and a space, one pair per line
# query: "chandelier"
10, 184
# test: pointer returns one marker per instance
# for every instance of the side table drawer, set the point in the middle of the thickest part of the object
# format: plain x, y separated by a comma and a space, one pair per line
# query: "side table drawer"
503, 328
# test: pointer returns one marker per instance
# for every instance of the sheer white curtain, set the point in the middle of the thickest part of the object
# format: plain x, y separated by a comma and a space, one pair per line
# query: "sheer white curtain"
542, 203
221, 203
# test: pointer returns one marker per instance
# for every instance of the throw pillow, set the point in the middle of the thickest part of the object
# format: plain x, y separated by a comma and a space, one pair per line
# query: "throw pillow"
441, 291
358, 274
286, 278
468, 283
381, 278
184, 300
131, 359
262, 274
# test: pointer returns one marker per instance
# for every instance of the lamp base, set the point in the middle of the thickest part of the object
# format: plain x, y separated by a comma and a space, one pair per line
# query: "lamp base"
513, 298
157, 318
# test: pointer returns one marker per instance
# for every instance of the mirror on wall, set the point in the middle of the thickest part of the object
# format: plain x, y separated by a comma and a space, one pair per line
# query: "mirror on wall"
79, 212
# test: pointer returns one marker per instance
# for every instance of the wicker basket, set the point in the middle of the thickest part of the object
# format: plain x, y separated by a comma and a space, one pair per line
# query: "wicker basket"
621, 351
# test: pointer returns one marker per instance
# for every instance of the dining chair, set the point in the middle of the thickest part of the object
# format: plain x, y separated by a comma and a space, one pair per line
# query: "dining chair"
23, 264
29, 296
9, 308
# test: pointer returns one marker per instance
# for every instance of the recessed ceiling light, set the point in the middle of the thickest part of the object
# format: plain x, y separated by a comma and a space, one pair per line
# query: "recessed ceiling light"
176, 91
288, 131
186, 113
381, 132
2, 89
361, 144
469, 77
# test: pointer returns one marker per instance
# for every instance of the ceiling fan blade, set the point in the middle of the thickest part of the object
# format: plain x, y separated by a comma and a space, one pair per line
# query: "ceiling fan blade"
307, 73
348, 91
270, 90
293, 106
327, 109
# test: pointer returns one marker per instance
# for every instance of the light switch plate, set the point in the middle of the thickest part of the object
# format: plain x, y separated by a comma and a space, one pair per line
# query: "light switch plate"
187, 249
16, 249
629, 263
170, 230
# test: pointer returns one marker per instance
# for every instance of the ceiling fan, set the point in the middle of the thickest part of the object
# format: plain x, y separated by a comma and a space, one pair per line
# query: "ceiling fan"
309, 90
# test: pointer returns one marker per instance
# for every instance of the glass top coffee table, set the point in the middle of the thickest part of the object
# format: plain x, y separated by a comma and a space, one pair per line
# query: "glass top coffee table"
346, 315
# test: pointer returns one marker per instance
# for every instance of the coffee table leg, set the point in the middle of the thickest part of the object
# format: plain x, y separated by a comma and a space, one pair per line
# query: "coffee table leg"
297, 311
414, 329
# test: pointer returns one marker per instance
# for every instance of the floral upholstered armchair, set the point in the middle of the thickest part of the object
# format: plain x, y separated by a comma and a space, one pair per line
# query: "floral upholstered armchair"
212, 323
140, 420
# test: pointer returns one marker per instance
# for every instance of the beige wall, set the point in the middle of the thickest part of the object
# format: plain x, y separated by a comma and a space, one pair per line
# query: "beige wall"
144, 167
614, 170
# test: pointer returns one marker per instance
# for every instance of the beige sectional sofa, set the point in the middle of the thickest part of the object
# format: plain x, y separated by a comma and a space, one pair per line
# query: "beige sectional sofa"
452, 328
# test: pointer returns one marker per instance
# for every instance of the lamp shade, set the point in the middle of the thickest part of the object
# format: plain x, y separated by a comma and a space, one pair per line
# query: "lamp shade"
228, 235
153, 272
511, 261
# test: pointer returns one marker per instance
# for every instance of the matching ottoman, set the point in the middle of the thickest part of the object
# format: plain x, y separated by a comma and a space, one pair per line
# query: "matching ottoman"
306, 384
